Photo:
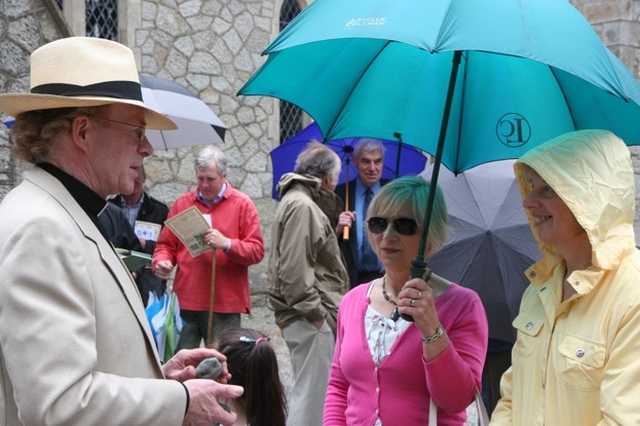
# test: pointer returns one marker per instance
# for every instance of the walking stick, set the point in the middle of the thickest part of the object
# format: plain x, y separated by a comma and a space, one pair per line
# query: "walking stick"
208, 340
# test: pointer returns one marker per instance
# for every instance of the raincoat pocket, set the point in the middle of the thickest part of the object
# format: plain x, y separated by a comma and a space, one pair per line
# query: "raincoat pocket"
580, 363
528, 328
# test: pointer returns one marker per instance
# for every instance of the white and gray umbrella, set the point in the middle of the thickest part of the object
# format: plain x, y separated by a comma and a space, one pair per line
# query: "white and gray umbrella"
491, 243
197, 123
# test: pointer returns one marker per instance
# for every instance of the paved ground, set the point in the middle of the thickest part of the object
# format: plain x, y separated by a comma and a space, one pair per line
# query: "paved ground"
262, 320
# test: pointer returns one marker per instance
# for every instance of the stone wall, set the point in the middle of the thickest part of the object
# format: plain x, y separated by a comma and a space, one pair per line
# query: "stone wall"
24, 26
212, 47
617, 23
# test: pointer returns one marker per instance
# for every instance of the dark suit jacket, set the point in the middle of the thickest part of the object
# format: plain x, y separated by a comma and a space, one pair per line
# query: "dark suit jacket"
153, 211
349, 248
118, 228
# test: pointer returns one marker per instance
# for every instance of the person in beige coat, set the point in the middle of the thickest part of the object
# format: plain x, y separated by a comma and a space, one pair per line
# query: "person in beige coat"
307, 277
75, 345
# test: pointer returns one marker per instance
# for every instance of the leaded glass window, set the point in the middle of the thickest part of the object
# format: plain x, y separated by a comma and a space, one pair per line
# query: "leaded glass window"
290, 115
102, 19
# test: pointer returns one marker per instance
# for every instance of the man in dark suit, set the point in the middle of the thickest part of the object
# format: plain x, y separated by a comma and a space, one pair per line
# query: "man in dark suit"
140, 206
362, 264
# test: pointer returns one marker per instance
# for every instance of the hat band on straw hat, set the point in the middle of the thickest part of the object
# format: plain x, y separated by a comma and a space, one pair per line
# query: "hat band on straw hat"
116, 89
78, 72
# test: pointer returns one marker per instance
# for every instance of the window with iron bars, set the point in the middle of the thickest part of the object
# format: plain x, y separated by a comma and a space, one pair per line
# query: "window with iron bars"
290, 115
101, 19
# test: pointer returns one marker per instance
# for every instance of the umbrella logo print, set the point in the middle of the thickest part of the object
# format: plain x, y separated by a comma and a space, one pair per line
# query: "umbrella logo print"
370, 22
513, 130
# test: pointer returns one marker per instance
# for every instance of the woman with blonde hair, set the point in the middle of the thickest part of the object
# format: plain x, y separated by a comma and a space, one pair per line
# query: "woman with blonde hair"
575, 360
387, 370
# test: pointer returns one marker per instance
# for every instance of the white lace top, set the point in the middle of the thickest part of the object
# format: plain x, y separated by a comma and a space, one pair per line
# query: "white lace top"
381, 331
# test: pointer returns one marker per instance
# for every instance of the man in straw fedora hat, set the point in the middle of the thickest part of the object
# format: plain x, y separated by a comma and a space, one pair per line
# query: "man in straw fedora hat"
75, 345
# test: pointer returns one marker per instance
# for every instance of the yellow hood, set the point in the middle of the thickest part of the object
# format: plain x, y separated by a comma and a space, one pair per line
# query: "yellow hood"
591, 171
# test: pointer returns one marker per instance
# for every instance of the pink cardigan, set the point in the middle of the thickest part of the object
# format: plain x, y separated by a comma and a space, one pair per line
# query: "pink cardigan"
237, 218
398, 390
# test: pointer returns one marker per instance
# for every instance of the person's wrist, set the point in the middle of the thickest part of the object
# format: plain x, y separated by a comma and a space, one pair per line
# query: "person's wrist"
435, 336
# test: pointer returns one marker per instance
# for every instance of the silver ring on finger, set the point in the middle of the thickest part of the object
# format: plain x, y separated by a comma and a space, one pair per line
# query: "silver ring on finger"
412, 302
419, 294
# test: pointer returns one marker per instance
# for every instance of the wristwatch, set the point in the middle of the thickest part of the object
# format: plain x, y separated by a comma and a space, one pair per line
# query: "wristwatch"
439, 332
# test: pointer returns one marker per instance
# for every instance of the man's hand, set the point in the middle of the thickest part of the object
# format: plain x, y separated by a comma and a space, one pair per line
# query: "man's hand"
318, 323
163, 269
182, 366
216, 239
345, 219
204, 408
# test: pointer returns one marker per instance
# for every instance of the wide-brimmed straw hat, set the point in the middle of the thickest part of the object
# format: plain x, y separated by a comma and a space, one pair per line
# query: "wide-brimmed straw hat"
83, 72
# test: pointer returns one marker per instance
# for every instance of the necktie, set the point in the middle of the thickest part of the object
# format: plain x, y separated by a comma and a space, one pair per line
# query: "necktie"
369, 259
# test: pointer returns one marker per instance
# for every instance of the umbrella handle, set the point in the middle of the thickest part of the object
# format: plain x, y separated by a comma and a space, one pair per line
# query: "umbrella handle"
418, 267
346, 229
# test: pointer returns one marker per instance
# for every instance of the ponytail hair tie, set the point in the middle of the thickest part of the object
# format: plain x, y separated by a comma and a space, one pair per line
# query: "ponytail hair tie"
254, 341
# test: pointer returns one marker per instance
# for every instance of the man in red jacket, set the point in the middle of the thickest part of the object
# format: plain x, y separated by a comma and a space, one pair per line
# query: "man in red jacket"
236, 239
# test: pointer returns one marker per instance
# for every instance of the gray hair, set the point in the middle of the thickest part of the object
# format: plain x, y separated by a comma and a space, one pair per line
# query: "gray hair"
207, 155
318, 160
368, 145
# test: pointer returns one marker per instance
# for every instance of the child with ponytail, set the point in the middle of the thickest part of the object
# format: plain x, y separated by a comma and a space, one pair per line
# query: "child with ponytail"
253, 364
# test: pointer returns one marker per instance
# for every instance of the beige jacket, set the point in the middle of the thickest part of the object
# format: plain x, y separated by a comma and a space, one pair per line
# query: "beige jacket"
307, 276
75, 345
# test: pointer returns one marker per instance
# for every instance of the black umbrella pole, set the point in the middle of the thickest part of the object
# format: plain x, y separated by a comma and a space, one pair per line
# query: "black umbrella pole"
418, 265
399, 137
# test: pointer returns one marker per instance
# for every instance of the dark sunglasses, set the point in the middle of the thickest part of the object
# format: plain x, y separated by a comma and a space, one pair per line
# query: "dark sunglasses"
402, 225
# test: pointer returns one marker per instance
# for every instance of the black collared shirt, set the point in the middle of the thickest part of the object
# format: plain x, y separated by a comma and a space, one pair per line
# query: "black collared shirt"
89, 201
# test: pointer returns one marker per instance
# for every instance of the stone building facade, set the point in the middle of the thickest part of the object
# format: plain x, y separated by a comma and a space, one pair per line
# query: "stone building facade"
213, 47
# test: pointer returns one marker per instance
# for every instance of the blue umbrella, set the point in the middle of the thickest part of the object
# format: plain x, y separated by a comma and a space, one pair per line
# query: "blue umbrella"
466, 81
399, 159
8, 121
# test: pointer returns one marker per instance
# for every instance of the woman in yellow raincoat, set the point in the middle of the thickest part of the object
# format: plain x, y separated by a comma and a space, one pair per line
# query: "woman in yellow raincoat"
576, 360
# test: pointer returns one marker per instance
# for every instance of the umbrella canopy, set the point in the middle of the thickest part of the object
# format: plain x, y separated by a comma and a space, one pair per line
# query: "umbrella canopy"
399, 159
491, 243
529, 70
197, 123
466, 81
8, 121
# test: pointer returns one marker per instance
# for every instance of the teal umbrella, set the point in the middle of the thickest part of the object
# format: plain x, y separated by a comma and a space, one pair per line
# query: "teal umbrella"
466, 81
